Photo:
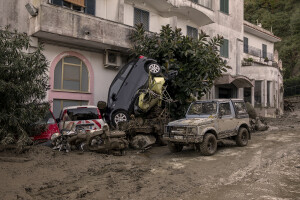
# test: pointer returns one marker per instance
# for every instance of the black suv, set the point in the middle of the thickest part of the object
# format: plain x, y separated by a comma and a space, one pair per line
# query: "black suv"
124, 88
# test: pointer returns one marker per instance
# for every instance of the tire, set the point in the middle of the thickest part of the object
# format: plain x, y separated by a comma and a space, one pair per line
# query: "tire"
174, 148
242, 137
119, 116
209, 145
153, 68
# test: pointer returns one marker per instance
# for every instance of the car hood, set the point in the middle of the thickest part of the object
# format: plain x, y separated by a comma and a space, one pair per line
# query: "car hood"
191, 122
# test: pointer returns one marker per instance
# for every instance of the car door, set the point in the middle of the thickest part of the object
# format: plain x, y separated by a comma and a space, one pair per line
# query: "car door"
226, 122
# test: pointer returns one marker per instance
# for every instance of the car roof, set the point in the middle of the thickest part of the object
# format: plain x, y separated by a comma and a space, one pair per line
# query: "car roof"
76, 107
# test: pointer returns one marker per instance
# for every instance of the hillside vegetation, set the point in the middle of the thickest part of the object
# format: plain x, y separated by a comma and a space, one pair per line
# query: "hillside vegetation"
283, 17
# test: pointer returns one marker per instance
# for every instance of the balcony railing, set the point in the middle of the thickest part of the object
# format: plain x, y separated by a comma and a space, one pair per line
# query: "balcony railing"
204, 3
257, 53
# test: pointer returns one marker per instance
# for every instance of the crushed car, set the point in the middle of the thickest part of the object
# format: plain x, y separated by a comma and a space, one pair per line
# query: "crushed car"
51, 128
82, 128
207, 122
138, 102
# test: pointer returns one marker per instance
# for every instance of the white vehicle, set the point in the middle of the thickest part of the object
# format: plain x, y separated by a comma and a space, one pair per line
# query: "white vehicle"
75, 115
206, 122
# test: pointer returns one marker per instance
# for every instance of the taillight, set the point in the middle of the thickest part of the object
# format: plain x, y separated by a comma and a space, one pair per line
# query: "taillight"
99, 114
141, 57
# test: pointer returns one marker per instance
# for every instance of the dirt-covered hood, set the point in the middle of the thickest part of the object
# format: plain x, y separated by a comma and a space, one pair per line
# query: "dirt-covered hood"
191, 122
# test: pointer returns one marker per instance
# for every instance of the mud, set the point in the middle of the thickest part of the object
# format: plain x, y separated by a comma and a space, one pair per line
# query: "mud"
268, 168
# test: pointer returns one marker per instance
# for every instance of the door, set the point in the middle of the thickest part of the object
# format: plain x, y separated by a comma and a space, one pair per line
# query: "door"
227, 120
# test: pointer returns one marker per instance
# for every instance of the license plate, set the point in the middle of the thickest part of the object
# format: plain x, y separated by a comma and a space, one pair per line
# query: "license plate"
179, 137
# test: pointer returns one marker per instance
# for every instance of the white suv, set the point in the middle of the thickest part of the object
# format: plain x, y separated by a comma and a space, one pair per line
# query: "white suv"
77, 115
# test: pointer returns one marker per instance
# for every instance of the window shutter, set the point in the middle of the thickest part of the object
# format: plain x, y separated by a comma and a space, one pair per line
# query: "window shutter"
141, 16
90, 7
245, 45
222, 8
264, 51
226, 6
226, 53
57, 2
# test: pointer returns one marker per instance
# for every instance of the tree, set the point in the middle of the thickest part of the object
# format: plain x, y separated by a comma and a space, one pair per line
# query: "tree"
197, 61
283, 18
23, 86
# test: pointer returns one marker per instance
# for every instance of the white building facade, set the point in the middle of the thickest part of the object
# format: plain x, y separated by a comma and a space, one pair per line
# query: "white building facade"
86, 42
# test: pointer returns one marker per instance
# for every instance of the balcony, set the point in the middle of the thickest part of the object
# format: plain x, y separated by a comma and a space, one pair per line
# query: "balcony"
75, 29
198, 11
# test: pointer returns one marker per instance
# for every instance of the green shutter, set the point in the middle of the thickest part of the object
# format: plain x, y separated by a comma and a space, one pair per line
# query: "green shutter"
226, 6
222, 5
224, 49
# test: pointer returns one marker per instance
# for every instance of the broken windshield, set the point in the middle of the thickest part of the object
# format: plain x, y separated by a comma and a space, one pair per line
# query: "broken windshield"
203, 108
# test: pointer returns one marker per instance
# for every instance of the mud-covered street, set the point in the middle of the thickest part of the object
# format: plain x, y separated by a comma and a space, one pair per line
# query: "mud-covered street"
268, 168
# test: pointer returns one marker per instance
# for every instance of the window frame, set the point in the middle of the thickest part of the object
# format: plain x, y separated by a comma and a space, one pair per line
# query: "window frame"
84, 9
80, 76
142, 13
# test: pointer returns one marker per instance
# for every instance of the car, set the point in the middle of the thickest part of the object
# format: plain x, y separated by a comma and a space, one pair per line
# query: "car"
206, 122
50, 129
76, 115
124, 89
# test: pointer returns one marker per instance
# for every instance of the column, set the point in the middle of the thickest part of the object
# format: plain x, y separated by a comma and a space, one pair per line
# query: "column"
252, 96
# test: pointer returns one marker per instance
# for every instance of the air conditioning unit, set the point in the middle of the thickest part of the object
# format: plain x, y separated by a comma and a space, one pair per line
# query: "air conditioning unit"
112, 59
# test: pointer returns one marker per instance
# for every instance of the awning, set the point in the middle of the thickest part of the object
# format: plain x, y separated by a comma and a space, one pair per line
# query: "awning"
239, 81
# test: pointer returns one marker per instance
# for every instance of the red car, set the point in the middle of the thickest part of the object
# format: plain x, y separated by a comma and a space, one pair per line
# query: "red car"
51, 128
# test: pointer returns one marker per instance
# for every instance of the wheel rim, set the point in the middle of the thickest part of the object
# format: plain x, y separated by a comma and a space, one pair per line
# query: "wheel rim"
154, 68
120, 117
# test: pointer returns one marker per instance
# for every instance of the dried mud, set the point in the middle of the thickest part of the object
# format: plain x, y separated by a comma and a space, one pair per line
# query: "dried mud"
268, 168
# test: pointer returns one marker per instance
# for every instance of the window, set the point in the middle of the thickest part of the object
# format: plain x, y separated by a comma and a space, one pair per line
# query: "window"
71, 74
269, 93
224, 49
195, 1
224, 6
246, 48
264, 51
141, 17
192, 32
224, 108
86, 6
58, 104
240, 108
247, 94
257, 93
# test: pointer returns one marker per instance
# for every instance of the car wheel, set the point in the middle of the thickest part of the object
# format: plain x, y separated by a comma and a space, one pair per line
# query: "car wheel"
119, 116
209, 145
173, 147
153, 68
242, 137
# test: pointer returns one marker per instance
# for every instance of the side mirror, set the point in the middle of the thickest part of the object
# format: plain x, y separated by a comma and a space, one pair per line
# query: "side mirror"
114, 97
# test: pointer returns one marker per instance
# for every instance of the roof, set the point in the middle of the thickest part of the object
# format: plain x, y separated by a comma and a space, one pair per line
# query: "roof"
260, 32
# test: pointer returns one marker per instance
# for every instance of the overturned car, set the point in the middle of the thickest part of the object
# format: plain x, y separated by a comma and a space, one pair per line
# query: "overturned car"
206, 122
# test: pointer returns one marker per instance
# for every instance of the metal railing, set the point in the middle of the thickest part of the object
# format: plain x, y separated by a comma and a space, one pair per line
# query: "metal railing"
204, 3
257, 53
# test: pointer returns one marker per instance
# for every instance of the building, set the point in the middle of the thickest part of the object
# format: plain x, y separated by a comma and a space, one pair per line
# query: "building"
86, 42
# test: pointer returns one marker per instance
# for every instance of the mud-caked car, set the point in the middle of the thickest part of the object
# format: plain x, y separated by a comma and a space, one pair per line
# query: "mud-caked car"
206, 122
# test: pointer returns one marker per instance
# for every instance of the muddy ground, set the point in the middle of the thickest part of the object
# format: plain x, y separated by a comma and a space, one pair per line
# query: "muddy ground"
268, 168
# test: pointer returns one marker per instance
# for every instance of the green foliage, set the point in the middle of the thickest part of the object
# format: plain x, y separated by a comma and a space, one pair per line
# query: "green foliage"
197, 61
284, 18
23, 86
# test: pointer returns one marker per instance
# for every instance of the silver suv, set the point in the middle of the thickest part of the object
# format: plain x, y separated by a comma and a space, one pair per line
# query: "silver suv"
206, 122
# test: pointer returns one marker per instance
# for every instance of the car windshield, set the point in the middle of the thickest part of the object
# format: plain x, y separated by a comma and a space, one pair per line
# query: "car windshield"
203, 108
82, 114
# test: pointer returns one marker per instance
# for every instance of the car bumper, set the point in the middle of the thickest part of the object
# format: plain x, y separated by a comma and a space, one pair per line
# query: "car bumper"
186, 140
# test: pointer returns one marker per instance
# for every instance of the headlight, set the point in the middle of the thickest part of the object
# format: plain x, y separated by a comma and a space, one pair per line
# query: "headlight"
194, 130
54, 136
